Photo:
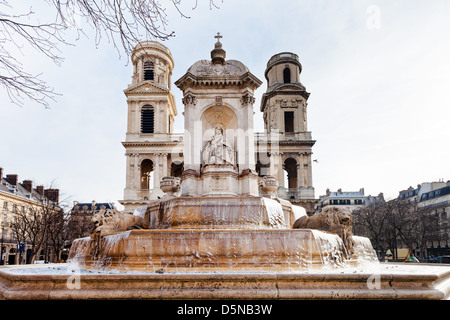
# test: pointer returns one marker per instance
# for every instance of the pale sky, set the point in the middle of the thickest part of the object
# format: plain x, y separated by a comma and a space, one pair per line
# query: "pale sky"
378, 73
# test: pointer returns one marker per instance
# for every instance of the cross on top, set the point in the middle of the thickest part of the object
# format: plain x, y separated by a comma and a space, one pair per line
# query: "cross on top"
218, 36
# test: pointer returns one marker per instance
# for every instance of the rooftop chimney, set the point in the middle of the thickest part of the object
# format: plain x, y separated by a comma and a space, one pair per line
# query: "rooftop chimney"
40, 190
52, 195
13, 179
28, 184
1, 174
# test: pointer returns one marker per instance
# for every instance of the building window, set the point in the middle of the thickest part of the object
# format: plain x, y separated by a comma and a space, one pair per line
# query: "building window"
287, 75
149, 70
290, 167
289, 121
147, 119
146, 174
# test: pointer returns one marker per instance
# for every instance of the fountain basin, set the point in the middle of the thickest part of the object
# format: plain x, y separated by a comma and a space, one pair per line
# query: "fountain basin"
383, 281
177, 250
243, 212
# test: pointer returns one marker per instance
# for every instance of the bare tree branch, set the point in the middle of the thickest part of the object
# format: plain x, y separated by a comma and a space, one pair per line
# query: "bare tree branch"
122, 22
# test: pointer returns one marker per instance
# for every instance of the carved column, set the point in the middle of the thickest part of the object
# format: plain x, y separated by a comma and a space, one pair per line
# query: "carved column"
278, 168
301, 172
191, 154
247, 159
308, 170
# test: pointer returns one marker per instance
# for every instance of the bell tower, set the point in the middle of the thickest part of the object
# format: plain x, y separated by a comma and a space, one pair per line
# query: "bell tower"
285, 101
151, 146
149, 96
284, 107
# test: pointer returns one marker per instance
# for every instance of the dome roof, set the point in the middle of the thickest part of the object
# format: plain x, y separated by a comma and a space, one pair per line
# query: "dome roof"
152, 47
206, 68
218, 71
218, 66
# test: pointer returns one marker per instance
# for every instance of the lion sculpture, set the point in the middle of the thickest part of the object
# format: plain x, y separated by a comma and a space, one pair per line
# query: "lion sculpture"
107, 221
333, 220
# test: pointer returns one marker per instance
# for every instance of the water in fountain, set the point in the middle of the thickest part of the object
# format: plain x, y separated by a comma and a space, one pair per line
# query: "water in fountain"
274, 211
214, 213
364, 252
111, 244
331, 249
81, 248
140, 211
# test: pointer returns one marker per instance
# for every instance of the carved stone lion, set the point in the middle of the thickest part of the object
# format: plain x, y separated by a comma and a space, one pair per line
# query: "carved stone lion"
331, 219
111, 220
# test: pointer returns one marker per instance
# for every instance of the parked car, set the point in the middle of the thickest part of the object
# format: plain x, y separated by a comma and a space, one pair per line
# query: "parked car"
441, 259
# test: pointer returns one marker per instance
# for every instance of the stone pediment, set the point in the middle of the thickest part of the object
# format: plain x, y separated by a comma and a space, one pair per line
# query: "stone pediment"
146, 87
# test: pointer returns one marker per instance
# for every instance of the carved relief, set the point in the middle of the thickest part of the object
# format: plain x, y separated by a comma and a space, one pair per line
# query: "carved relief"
189, 99
218, 150
247, 99
273, 117
206, 68
219, 115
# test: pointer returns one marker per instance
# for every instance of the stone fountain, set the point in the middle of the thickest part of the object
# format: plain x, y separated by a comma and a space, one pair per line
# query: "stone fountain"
219, 231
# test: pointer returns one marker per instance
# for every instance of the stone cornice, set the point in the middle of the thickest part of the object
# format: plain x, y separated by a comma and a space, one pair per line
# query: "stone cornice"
293, 142
151, 143
146, 87
245, 80
290, 90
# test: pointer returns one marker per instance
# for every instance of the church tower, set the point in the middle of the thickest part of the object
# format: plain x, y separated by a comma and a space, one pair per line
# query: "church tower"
152, 150
284, 107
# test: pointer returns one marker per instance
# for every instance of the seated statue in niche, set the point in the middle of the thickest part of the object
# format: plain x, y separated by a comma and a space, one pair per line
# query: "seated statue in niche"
218, 150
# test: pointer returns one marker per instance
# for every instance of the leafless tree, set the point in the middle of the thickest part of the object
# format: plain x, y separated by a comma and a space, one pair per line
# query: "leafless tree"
122, 22
397, 224
372, 221
19, 228
57, 234
30, 227
79, 226
39, 225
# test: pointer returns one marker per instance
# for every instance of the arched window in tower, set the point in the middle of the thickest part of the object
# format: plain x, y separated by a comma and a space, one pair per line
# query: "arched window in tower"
287, 75
146, 174
290, 167
147, 119
149, 70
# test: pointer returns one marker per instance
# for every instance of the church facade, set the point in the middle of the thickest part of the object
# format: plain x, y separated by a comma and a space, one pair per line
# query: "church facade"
218, 153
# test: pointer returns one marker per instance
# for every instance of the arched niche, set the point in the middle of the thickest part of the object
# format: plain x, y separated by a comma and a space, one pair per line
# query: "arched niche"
222, 116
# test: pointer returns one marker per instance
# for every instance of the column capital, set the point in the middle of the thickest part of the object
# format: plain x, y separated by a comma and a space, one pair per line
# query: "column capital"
189, 99
247, 98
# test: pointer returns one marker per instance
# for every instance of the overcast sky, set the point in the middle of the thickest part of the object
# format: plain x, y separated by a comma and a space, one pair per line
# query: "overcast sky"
378, 73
